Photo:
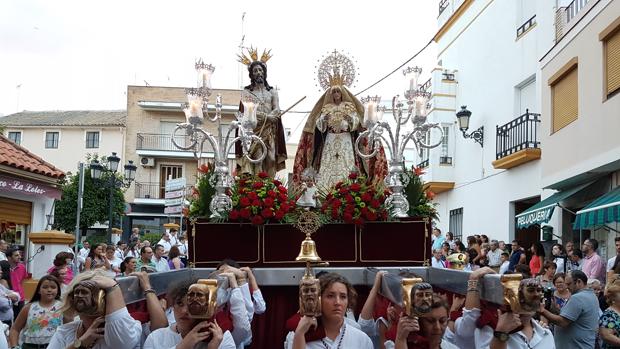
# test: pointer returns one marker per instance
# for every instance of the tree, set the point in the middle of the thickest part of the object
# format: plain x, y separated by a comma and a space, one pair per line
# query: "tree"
95, 202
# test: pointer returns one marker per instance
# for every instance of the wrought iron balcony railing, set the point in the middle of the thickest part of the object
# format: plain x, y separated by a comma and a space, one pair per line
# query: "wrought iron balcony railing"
445, 160
423, 164
443, 4
516, 135
159, 141
526, 26
573, 8
154, 190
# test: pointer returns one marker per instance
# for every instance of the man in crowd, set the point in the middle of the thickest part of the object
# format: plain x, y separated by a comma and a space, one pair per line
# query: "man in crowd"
145, 263
165, 243
3, 247
174, 237
612, 260
505, 258
494, 256
577, 324
593, 265
570, 247
503, 247
120, 250
438, 239
83, 253
115, 262
135, 234
576, 260
18, 275
161, 263
436, 261
517, 256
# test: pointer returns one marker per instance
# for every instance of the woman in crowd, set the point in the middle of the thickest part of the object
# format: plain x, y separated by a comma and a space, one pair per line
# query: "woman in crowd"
337, 295
133, 250
63, 260
174, 259
538, 256
473, 243
559, 257
5, 279
96, 258
431, 327
484, 238
609, 323
128, 266
561, 293
40, 318
450, 240
7, 299
61, 275
460, 247
546, 274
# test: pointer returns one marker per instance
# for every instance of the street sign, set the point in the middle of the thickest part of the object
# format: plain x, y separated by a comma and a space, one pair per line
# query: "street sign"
173, 209
175, 184
174, 194
174, 202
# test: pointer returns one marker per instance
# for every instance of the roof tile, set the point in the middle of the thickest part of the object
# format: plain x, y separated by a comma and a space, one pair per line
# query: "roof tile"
66, 118
16, 156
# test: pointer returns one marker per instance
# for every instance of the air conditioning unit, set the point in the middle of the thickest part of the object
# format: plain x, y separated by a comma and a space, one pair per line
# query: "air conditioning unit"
147, 162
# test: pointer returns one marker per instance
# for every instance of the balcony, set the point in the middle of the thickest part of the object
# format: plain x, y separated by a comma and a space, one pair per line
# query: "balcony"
160, 144
423, 164
516, 142
445, 160
154, 193
564, 17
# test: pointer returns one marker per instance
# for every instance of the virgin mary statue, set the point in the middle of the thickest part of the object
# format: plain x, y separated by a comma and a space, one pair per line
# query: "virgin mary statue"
328, 138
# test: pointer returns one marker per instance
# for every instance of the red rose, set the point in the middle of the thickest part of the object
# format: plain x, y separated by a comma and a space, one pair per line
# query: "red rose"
349, 198
263, 175
430, 195
284, 207
242, 182
282, 189
282, 197
272, 194
233, 215
255, 203
364, 210
252, 195
338, 185
267, 213
348, 218
257, 185
352, 175
279, 214
358, 221
204, 168
384, 215
342, 190
328, 197
349, 208
371, 216
276, 182
241, 190
268, 202
366, 197
257, 220
375, 203
244, 202
337, 203
245, 213
356, 187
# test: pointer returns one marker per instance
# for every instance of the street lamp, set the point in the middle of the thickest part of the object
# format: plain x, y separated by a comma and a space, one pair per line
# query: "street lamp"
463, 116
112, 182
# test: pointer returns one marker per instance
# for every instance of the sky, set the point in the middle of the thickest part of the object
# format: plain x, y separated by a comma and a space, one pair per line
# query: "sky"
77, 55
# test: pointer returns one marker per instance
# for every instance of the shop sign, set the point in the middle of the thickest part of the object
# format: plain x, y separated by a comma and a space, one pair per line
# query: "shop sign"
536, 217
14, 185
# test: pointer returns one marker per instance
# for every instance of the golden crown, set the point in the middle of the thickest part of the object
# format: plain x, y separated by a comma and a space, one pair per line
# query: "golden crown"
335, 78
253, 56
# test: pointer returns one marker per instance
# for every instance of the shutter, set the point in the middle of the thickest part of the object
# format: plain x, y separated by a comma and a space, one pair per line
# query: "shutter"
565, 103
612, 53
15, 211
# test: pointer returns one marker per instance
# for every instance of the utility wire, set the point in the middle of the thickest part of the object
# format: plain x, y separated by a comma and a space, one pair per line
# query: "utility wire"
395, 70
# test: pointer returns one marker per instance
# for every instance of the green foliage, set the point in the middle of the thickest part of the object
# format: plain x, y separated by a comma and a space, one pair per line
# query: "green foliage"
202, 193
420, 204
97, 238
153, 238
95, 202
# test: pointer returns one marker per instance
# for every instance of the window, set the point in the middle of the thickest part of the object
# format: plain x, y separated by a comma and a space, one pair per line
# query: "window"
564, 96
92, 139
611, 55
168, 172
445, 158
51, 140
16, 137
456, 223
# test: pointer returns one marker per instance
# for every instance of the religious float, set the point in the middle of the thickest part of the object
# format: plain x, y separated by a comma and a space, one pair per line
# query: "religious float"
354, 210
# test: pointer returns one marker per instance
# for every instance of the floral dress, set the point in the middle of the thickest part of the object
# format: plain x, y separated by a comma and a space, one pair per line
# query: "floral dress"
611, 320
42, 323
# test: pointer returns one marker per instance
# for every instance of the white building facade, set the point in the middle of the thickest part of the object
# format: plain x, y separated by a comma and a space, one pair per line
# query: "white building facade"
488, 54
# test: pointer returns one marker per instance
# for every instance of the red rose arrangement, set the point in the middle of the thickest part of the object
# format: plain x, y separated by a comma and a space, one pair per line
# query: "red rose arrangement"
354, 200
259, 199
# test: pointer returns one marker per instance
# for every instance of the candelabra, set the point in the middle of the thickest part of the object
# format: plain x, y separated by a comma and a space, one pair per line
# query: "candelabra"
195, 136
397, 179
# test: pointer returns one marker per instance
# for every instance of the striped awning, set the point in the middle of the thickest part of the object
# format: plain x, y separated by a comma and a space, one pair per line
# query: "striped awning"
542, 211
603, 210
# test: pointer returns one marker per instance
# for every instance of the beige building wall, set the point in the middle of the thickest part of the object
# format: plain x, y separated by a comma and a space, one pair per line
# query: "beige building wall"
140, 120
71, 144
592, 140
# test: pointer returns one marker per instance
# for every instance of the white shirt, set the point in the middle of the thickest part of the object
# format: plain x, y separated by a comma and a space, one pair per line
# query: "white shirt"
166, 244
121, 331
611, 262
119, 254
494, 257
437, 263
444, 344
167, 338
541, 338
183, 248
464, 328
2, 256
504, 267
242, 330
174, 240
161, 264
353, 338
259, 302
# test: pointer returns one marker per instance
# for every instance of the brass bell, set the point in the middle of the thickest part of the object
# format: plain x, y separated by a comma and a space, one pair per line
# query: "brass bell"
308, 251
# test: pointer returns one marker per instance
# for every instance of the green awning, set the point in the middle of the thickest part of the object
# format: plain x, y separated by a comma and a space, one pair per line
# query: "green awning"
542, 211
603, 210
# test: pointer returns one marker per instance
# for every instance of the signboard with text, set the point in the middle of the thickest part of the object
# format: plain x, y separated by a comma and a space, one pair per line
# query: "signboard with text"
175, 196
28, 188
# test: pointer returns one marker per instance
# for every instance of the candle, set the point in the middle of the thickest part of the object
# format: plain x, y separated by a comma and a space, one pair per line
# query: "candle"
205, 75
370, 112
411, 84
249, 112
195, 107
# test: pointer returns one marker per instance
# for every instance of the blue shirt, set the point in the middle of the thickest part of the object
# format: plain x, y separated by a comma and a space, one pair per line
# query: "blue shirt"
438, 242
514, 259
583, 310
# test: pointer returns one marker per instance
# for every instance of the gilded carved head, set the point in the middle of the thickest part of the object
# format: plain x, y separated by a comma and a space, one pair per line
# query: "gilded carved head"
88, 299
202, 299
310, 297
417, 296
